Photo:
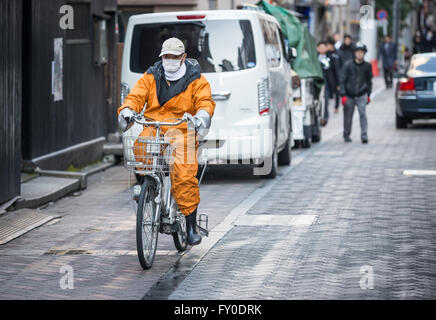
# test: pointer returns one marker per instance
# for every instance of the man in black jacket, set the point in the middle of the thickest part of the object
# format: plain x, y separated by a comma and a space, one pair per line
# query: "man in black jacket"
356, 87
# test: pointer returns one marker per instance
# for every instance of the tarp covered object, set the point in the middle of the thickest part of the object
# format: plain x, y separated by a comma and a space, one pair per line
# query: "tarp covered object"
306, 64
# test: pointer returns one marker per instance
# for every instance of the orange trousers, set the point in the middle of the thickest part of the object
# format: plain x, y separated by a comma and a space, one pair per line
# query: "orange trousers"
183, 170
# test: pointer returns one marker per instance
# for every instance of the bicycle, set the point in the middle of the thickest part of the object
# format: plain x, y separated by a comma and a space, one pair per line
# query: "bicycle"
157, 211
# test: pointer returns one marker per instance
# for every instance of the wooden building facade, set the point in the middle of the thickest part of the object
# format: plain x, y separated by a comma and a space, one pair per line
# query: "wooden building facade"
57, 85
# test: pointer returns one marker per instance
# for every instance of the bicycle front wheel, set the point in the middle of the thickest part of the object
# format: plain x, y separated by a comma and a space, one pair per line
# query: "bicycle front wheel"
146, 227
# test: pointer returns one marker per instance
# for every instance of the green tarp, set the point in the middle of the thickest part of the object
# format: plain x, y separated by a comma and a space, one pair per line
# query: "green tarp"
298, 36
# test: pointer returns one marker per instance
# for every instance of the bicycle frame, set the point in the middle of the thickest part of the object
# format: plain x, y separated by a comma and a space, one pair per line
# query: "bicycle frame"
162, 181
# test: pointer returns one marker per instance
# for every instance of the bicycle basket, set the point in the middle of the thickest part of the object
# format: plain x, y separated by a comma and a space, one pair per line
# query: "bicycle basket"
148, 154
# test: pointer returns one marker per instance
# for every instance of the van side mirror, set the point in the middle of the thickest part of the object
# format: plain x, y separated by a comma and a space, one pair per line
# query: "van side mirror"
291, 54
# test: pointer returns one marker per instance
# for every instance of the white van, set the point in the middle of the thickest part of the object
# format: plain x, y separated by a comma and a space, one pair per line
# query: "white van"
243, 56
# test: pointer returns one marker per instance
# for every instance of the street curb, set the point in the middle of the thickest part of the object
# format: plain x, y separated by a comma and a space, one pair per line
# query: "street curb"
79, 182
33, 203
81, 176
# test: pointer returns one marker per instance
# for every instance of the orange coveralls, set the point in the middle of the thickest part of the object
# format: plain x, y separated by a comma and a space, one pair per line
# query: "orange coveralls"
197, 96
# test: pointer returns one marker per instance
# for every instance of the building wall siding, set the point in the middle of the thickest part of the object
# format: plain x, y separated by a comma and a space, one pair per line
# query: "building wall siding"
10, 98
82, 114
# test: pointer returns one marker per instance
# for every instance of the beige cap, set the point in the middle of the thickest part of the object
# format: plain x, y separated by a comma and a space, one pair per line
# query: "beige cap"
172, 46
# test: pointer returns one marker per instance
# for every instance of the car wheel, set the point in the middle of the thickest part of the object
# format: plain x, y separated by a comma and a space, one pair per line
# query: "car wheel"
317, 136
285, 156
401, 122
297, 144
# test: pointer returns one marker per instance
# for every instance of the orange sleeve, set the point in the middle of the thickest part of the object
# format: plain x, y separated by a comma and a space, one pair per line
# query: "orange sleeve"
203, 96
138, 95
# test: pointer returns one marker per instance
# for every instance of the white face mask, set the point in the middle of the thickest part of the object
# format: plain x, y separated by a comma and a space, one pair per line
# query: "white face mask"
171, 65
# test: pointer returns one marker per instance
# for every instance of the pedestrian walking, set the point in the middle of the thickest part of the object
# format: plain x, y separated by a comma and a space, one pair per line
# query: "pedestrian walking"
388, 52
335, 59
429, 43
356, 87
407, 56
338, 42
347, 49
417, 42
329, 77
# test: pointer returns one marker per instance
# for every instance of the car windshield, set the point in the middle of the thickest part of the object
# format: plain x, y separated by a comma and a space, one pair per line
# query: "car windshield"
218, 45
422, 64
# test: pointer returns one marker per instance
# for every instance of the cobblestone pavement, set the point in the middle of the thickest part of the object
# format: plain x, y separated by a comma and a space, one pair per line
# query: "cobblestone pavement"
370, 230
99, 226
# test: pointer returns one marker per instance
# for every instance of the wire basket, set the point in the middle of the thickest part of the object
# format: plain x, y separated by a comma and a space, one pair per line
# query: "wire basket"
148, 154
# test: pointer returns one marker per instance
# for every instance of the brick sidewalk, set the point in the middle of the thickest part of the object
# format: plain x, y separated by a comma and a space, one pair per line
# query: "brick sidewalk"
368, 215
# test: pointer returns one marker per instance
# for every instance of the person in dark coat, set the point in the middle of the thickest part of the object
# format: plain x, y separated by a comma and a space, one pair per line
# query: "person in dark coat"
388, 52
429, 43
417, 42
347, 49
329, 77
356, 88
335, 59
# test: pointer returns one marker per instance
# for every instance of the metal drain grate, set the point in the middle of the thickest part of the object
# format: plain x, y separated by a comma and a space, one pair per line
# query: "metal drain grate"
20, 222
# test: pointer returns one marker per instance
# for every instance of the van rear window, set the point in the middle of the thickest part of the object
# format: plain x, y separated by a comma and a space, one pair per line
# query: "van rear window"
218, 45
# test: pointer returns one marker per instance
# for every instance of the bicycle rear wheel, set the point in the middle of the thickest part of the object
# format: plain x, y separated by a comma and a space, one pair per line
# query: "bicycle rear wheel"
146, 228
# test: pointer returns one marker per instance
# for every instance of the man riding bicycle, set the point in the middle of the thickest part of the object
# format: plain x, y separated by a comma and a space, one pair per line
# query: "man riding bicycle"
175, 88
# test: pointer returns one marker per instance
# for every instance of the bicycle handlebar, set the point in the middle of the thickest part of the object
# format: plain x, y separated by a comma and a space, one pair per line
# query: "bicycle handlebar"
137, 118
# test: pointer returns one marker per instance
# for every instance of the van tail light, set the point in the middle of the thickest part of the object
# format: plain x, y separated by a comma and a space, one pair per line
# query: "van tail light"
407, 87
264, 99
124, 91
191, 17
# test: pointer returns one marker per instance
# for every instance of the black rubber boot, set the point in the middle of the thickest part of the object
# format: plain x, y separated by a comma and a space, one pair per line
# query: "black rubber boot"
191, 227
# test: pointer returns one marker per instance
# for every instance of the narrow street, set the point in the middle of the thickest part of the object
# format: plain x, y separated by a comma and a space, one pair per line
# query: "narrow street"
341, 213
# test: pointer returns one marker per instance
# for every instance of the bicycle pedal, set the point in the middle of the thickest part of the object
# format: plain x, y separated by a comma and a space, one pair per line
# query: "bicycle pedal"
203, 224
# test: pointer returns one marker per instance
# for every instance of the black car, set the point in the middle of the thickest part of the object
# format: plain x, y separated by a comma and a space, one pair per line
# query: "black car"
416, 91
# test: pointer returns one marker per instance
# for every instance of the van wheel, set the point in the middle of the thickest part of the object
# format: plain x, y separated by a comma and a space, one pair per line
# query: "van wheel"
285, 156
